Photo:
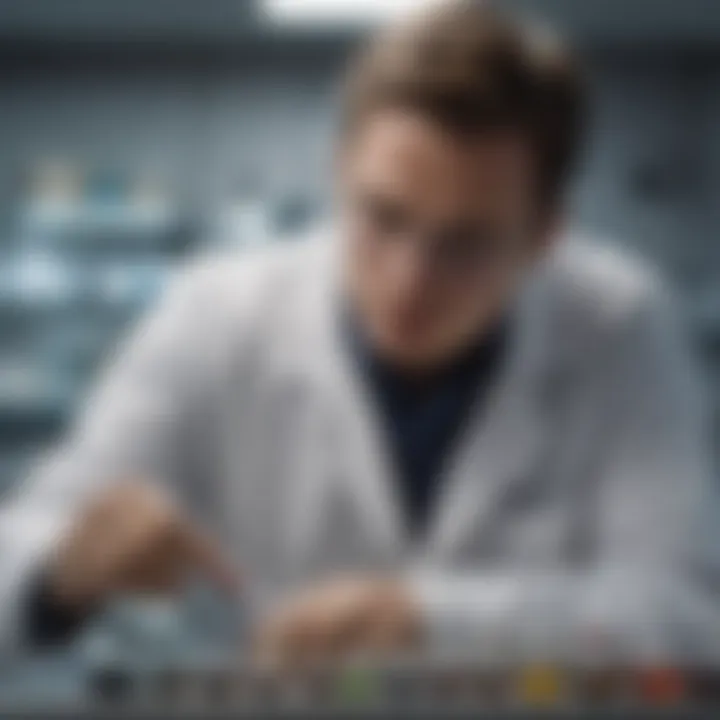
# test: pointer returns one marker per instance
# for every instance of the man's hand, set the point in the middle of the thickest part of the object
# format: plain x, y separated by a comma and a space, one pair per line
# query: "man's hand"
340, 620
131, 540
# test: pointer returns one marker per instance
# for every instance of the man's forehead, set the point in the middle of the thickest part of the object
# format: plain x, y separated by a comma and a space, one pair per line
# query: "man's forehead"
413, 155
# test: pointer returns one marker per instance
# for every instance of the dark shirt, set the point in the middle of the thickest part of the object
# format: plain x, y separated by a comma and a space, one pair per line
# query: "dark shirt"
47, 621
425, 416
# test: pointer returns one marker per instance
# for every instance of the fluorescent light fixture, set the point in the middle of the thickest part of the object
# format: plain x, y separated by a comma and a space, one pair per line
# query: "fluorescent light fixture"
333, 12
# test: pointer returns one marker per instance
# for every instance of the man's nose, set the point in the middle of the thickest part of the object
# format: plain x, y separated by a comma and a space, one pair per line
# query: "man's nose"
411, 267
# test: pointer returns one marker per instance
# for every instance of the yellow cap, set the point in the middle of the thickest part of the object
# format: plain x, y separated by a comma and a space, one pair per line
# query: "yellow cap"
541, 685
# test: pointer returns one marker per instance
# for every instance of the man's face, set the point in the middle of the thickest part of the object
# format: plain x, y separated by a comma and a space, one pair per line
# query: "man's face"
440, 230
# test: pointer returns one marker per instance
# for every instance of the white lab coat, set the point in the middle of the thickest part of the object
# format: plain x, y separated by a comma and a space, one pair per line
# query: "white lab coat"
575, 501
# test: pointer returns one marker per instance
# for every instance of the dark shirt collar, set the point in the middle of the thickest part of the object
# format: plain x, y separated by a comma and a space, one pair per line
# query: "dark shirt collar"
423, 418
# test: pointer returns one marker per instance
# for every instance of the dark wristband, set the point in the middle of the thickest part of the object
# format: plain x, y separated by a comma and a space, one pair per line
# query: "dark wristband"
49, 622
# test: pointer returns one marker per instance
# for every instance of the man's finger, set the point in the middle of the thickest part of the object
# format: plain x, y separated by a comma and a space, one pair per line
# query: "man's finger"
205, 555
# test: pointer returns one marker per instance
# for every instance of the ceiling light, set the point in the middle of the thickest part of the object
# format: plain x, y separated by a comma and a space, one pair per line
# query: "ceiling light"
333, 12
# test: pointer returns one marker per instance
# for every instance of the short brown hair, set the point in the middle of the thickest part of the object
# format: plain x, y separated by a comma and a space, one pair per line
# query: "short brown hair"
473, 69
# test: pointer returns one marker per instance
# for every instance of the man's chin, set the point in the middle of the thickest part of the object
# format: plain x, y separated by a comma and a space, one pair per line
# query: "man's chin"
411, 353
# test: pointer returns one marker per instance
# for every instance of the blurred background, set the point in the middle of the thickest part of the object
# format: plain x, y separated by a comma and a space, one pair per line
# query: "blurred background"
135, 132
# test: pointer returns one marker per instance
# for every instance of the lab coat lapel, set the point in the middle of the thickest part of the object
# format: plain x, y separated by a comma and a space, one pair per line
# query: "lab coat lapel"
503, 440
363, 462
357, 470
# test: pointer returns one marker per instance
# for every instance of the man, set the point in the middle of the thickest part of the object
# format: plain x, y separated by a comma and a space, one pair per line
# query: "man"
434, 426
